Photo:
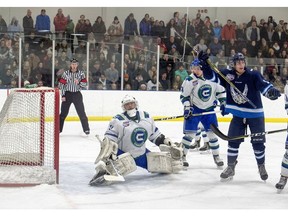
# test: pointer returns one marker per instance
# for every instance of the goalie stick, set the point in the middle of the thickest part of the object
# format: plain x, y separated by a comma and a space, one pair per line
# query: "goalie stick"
111, 178
224, 137
180, 116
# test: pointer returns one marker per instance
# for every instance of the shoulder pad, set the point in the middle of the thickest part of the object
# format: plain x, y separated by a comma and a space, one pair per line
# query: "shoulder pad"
146, 115
189, 78
119, 117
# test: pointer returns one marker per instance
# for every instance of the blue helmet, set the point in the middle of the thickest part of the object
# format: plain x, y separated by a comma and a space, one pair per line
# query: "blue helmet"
237, 57
196, 62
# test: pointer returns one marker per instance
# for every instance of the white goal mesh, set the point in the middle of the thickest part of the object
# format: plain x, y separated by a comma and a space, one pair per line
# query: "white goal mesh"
29, 137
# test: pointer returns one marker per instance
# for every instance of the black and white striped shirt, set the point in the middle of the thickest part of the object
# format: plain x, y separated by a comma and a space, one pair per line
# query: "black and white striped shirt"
67, 81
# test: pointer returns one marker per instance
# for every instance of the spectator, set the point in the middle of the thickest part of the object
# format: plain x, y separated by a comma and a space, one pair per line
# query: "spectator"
145, 26
3, 26
217, 30
130, 27
80, 29
14, 27
28, 23
115, 30
112, 74
181, 72
69, 30
60, 23
99, 29
42, 24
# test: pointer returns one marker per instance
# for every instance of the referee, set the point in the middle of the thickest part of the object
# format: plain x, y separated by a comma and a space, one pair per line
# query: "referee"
71, 83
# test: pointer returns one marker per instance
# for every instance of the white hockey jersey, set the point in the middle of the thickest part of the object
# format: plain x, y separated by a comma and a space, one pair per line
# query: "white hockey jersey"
200, 92
131, 135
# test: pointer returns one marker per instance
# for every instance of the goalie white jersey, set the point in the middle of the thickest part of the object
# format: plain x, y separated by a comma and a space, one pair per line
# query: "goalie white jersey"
131, 135
200, 92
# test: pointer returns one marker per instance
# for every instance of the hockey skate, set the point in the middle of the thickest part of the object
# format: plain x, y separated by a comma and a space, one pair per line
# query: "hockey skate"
205, 148
262, 172
281, 184
218, 161
196, 144
229, 172
185, 163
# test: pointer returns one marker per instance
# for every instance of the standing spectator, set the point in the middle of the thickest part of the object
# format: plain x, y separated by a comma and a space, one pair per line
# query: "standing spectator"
3, 26
70, 33
228, 32
42, 25
14, 27
80, 29
115, 30
28, 23
60, 23
130, 27
217, 30
145, 26
253, 33
71, 83
99, 29
250, 85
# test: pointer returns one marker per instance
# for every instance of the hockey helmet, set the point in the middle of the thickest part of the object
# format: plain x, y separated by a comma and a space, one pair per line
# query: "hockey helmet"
128, 99
196, 63
237, 57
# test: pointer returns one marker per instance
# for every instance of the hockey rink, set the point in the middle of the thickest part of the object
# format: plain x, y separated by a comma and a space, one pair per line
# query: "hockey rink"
197, 188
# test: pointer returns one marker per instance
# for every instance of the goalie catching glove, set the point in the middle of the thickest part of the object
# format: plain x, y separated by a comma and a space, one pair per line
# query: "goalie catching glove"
108, 150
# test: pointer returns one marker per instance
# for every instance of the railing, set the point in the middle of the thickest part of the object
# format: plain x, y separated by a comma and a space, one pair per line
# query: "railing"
110, 63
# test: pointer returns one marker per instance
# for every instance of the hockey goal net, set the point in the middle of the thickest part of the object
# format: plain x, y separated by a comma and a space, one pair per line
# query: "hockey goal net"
29, 137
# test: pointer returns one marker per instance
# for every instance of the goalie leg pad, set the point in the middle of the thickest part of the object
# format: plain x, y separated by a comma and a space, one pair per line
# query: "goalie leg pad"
159, 162
108, 149
176, 152
124, 165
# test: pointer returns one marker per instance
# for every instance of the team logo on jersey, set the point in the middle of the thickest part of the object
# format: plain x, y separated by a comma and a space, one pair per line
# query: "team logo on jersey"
204, 92
126, 123
139, 136
237, 97
230, 77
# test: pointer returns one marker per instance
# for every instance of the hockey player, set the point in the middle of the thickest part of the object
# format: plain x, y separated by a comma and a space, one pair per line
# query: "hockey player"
284, 166
250, 85
124, 146
198, 96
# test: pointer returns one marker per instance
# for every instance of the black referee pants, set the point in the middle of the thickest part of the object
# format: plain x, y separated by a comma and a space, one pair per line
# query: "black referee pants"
77, 99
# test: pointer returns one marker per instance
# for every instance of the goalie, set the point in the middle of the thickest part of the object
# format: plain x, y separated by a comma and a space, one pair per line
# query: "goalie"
124, 147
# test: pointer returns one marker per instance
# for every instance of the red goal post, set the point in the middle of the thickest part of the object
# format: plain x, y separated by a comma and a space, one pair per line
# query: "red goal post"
29, 137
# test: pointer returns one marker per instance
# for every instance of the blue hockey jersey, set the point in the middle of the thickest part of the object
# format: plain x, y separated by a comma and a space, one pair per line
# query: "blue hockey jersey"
251, 83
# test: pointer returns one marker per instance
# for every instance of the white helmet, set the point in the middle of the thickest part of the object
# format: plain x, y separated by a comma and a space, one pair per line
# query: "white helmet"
129, 99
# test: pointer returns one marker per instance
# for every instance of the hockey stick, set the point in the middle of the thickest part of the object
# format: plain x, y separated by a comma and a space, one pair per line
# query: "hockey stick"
180, 116
111, 178
230, 83
224, 137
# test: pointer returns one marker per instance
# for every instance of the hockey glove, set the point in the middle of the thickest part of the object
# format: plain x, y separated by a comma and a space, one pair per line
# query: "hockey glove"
188, 110
273, 93
203, 56
222, 108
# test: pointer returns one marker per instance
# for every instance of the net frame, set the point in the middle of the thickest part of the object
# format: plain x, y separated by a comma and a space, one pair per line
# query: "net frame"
14, 172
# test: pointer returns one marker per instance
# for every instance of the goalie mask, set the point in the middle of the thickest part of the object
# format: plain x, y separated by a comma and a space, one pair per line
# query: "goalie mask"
130, 111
